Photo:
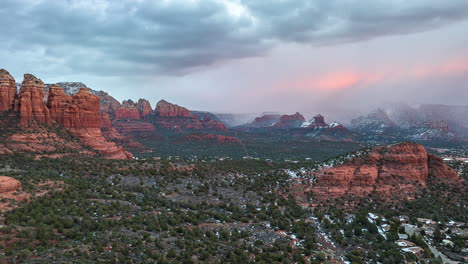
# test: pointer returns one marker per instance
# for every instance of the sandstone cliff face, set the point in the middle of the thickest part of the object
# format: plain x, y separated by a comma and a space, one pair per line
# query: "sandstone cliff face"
132, 126
79, 113
80, 110
166, 109
380, 170
7, 91
174, 117
290, 121
108, 103
144, 107
128, 110
30, 102
405, 161
125, 118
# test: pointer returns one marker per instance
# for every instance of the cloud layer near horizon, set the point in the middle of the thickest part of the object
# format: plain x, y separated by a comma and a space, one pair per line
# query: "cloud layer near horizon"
181, 42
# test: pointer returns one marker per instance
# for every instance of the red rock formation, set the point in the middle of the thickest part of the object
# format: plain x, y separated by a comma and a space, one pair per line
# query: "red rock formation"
264, 121
108, 103
319, 121
402, 164
166, 109
7, 91
30, 103
75, 111
93, 137
8, 184
290, 121
144, 107
438, 169
128, 110
58, 104
132, 126
192, 123
79, 113
189, 123
106, 122
211, 124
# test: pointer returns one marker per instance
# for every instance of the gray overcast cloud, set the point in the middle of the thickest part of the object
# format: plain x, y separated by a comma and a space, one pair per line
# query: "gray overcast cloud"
141, 37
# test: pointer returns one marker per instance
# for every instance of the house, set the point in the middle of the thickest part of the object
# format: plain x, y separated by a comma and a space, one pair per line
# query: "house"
404, 243
418, 251
447, 242
402, 236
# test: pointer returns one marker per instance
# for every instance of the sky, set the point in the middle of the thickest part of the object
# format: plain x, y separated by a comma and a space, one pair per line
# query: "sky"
333, 57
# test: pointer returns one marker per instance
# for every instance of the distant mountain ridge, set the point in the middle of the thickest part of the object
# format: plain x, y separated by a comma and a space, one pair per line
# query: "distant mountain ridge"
426, 122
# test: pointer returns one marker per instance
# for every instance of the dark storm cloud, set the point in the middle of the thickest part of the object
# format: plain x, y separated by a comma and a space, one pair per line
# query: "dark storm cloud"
329, 21
129, 37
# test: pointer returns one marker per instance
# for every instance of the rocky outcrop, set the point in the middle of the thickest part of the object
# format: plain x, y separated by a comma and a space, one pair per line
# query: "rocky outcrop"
191, 123
264, 121
132, 110
132, 126
166, 109
211, 124
317, 122
94, 138
9, 184
438, 169
144, 107
177, 118
290, 121
7, 91
30, 102
128, 110
106, 122
79, 113
108, 103
379, 170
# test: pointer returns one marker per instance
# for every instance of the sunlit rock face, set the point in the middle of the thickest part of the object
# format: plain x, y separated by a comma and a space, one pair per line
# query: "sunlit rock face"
7, 91
30, 102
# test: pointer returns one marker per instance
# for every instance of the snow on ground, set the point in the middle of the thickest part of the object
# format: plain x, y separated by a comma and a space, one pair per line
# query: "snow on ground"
306, 124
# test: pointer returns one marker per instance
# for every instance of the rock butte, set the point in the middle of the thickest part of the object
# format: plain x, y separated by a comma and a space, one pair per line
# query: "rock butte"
400, 163
265, 120
166, 109
290, 121
319, 121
